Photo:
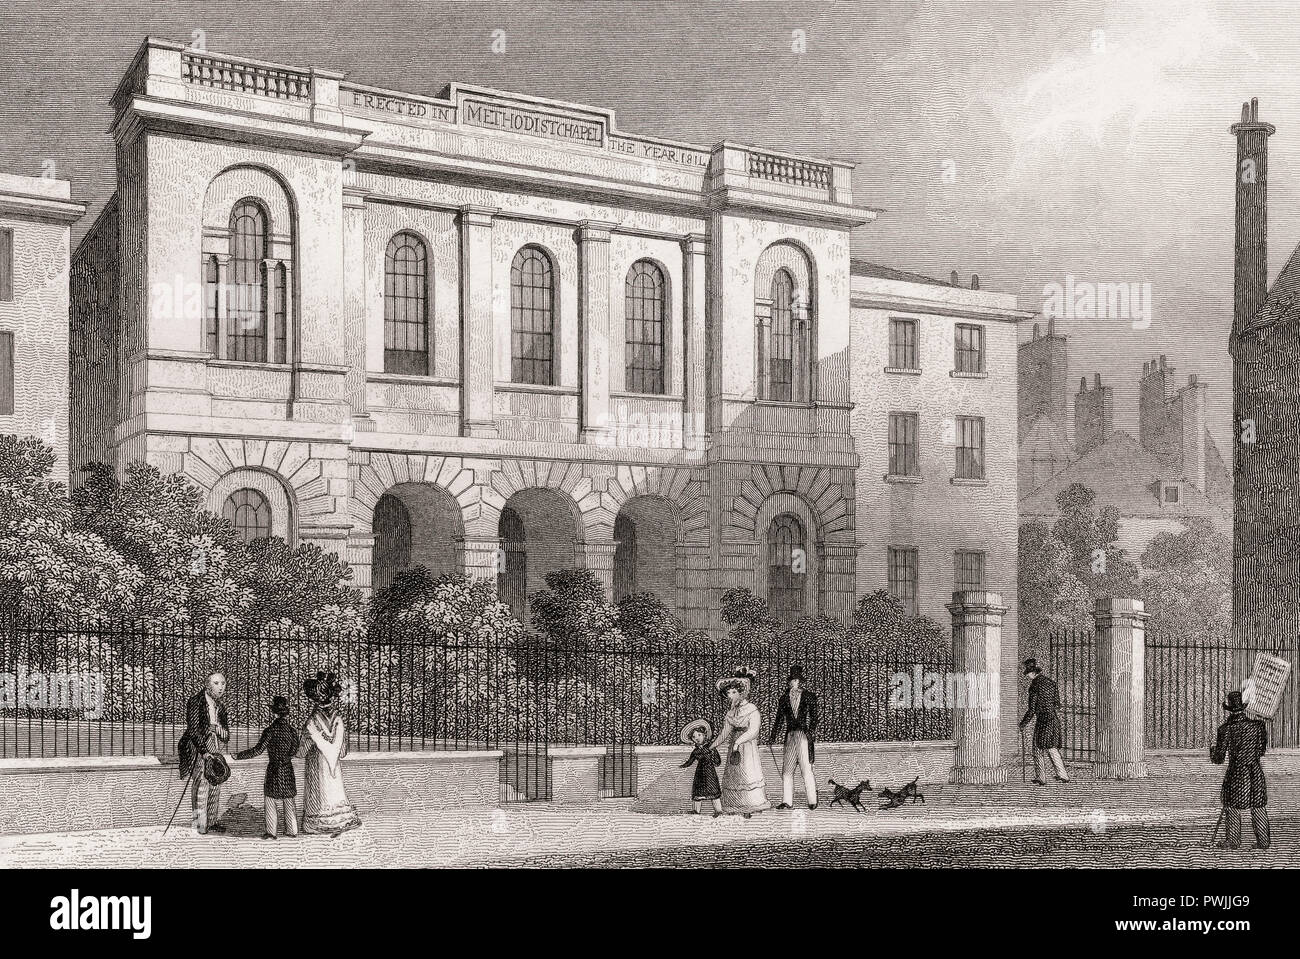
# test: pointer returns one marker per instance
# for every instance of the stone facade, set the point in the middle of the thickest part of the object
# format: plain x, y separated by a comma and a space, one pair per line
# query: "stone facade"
495, 222
36, 214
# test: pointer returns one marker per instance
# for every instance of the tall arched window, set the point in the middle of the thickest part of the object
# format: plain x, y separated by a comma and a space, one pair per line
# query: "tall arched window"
246, 310
250, 513
646, 311
406, 306
780, 378
787, 563
532, 318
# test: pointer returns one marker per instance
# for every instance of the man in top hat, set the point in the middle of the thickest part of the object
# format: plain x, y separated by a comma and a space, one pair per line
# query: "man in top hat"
280, 742
1044, 701
1242, 740
797, 711
203, 752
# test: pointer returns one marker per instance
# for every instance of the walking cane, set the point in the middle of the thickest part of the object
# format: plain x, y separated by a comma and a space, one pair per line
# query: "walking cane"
1215, 835
1023, 774
185, 784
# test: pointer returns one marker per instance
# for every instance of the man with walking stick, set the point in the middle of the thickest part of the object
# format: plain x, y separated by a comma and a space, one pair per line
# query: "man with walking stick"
1242, 740
1044, 701
797, 711
203, 752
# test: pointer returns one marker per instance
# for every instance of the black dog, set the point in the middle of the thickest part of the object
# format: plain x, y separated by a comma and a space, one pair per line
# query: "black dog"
851, 796
893, 799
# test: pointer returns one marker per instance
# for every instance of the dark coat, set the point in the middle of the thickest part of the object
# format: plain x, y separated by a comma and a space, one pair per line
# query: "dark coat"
198, 726
280, 742
805, 722
1044, 701
705, 785
1242, 741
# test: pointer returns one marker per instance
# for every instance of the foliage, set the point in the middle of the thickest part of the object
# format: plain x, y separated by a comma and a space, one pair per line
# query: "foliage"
1052, 597
1091, 537
1186, 584
881, 623
646, 622
572, 611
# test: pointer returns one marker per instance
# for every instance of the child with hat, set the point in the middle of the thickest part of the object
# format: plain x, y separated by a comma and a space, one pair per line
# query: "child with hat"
279, 741
705, 785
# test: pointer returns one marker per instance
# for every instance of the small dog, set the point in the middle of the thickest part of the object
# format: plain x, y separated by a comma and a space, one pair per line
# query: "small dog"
895, 798
843, 794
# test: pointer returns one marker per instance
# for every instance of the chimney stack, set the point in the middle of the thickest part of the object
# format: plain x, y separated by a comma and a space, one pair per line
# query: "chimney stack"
1094, 414
1250, 266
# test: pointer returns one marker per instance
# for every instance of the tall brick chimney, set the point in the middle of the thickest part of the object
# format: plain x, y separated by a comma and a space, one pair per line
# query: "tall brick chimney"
1250, 273
1094, 414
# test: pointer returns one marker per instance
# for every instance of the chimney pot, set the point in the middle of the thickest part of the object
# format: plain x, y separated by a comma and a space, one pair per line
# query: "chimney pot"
974, 281
953, 278
1035, 331
1162, 361
1254, 109
1191, 379
1051, 325
1083, 384
1096, 380
1245, 113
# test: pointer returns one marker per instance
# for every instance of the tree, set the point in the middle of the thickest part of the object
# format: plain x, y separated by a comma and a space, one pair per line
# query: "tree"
881, 623
572, 612
46, 560
1091, 536
1187, 583
1052, 597
646, 621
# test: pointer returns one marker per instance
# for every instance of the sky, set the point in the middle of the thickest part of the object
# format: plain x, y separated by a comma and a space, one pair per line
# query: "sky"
1024, 142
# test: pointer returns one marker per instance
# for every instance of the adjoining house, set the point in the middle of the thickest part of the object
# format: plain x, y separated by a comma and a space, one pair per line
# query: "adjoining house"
491, 332
36, 215
1171, 470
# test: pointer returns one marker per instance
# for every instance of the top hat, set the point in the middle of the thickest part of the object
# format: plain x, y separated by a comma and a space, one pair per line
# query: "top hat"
742, 679
796, 672
698, 724
280, 706
1031, 666
215, 769
1234, 703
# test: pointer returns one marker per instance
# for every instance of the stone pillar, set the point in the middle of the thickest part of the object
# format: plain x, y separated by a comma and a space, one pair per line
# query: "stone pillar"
593, 321
1120, 690
762, 327
977, 653
223, 304
354, 306
480, 557
695, 301
599, 558
478, 345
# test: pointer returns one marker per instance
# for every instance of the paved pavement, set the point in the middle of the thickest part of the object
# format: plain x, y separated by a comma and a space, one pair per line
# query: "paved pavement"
1163, 822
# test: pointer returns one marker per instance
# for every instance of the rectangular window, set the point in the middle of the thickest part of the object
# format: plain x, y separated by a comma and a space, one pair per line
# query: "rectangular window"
970, 349
6, 264
902, 345
970, 447
902, 577
6, 374
1171, 494
904, 454
967, 570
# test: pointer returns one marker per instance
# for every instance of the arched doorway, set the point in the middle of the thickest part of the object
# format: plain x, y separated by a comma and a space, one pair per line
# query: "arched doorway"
539, 535
415, 524
645, 553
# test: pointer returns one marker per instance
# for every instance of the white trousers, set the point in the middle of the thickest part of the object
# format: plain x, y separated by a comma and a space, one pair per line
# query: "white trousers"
796, 751
277, 809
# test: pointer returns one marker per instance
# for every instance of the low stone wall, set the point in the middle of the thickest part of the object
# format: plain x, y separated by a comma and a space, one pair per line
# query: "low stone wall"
70, 795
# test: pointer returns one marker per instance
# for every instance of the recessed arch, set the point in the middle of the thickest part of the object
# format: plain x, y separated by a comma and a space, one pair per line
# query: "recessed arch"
415, 524
278, 499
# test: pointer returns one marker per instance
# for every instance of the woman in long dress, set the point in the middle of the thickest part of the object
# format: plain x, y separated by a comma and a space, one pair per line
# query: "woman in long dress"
325, 740
744, 790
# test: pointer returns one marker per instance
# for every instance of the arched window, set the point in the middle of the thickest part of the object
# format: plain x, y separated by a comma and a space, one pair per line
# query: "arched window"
646, 311
250, 513
532, 318
246, 309
787, 562
780, 380
406, 306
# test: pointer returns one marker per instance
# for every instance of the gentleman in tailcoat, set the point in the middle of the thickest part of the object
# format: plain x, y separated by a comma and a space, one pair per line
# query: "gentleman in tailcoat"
1242, 740
797, 712
203, 748
280, 742
1044, 701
